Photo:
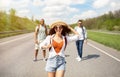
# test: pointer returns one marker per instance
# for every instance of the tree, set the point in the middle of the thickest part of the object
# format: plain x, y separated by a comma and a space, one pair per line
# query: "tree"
117, 14
12, 12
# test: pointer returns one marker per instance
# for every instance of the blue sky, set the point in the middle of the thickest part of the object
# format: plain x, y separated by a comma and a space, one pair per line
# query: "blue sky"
66, 10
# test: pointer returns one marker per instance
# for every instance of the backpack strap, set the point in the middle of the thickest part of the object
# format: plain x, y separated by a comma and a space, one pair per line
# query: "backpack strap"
65, 42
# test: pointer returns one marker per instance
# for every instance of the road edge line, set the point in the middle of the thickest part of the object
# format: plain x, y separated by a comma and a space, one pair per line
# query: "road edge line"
14, 40
104, 52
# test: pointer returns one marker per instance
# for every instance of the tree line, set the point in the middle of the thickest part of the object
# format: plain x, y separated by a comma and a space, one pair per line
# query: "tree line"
11, 22
110, 21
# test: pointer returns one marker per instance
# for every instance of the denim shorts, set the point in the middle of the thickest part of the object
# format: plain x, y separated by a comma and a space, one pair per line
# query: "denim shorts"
56, 63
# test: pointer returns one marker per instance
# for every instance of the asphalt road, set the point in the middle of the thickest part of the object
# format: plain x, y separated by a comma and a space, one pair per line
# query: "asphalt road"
17, 52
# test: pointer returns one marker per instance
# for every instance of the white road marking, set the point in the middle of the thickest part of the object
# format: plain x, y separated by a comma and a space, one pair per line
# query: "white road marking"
14, 40
104, 52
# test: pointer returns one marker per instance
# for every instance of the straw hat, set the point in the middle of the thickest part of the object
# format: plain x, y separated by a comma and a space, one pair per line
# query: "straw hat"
58, 23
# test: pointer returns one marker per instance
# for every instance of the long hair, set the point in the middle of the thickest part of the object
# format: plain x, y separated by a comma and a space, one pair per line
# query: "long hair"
65, 31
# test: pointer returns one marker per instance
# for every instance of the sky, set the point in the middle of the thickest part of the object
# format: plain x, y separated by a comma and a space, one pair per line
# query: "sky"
68, 11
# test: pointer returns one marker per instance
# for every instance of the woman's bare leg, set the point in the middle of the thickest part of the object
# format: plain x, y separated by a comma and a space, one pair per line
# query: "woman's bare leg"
51, 74
60, 73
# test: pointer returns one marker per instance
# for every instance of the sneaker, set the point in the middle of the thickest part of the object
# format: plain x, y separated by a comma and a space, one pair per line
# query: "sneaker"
35, 59
44, 59
79, 59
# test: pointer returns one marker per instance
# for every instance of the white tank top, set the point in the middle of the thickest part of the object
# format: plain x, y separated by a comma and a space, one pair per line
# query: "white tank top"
41, 33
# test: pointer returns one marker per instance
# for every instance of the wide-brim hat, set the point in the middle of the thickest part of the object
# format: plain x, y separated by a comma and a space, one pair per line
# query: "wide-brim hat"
58, 23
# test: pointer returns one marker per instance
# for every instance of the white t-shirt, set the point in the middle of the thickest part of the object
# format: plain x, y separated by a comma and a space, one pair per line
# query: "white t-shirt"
82, 32
41, 33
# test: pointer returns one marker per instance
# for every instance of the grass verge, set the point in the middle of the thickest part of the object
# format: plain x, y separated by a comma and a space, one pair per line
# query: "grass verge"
111, 40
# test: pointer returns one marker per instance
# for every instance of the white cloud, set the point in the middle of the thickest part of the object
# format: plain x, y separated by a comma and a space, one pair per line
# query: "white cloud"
14, 4
77, 1
23, 13
83, 15
114, 5
66, 2
57, 10
20, 4
100, 3
111, 6
4, 4
38, 2
63, 9
86, 14
57, 2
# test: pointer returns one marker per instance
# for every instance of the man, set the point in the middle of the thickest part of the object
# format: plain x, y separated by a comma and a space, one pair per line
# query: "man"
40, 35
83, 37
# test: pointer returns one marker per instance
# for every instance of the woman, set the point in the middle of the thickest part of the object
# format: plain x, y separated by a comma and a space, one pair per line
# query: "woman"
56, 43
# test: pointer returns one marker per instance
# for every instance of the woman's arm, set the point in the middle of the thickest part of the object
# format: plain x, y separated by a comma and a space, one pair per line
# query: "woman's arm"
75, 32
74, 37
46, 47
46, 43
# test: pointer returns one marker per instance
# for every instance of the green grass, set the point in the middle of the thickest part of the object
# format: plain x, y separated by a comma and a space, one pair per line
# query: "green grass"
111, 40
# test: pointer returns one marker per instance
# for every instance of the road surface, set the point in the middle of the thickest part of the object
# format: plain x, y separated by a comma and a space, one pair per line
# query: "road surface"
17, 52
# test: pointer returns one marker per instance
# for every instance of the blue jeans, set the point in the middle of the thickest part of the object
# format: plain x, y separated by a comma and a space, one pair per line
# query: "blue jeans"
79, 45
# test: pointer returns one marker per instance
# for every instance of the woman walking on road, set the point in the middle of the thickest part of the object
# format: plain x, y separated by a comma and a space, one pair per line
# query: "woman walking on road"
56, 43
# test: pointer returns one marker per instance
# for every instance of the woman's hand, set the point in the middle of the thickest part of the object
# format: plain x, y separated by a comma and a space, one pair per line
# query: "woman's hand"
47, 47
73, 30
